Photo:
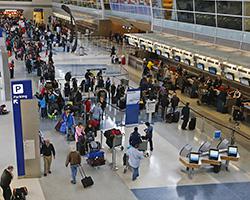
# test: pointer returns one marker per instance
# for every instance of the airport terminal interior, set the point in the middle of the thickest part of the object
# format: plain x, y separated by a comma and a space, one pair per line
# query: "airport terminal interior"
129, 100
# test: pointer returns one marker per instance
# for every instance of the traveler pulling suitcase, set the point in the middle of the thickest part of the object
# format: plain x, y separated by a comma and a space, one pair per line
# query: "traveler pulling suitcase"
86, 180
192, 123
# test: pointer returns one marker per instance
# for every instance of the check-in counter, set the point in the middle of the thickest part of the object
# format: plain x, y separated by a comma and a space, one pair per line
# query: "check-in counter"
135, 62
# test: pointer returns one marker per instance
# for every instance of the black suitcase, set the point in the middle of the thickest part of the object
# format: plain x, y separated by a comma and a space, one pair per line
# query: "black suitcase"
113, 100
122, 103
86, 180
192, 123
169, 118
176, 116
39, 71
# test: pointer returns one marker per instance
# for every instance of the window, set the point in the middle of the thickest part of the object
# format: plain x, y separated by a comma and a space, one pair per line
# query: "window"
185, 17
208, 20
229, 7
247, 24
247, 9
230, 22
205, 6
185, 5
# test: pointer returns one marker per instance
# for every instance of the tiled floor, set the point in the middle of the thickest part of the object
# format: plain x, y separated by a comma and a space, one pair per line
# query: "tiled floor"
226, 191
161, 174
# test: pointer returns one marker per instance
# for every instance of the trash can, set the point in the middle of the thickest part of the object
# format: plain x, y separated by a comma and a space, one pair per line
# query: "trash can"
123, 60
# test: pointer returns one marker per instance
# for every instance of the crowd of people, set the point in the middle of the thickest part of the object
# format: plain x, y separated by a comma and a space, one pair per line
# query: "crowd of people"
159, 79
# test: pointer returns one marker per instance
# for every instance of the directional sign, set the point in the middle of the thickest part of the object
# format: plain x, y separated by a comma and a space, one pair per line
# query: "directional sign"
20, 90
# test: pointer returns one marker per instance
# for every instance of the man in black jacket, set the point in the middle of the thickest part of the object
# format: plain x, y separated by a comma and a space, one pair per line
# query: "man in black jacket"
6, 178
47, 151
185, 116
135, 138
174, 102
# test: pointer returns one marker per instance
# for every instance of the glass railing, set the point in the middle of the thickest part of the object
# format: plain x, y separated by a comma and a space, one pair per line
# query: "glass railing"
80, 3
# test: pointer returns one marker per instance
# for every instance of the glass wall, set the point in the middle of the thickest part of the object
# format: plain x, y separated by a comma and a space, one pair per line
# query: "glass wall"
229, 14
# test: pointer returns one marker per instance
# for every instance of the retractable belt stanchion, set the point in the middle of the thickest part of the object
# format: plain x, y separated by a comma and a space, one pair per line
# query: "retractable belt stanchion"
117, 141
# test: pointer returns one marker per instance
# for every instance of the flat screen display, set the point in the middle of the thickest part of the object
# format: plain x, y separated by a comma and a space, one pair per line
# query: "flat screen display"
232, 151
194, 158
213, 154
166, 54
200, 66
177, 58
229, 76
212, 70
142, 47
187, 61
158, 52
244, 81
149, 49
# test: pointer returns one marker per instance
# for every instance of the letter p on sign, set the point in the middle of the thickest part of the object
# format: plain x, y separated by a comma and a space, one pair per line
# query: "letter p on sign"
18, 89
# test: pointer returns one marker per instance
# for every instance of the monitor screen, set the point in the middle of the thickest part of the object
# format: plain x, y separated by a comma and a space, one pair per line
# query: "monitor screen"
177, 58
229, 76
194, 157
187, 62
142, 47
158, 52
232, 151
200, 66
166, 54
149, 49
212, 70
244, 81
213, 154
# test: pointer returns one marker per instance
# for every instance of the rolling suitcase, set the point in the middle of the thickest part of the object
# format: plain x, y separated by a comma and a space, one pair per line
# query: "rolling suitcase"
58, 125
169, 118
122, 103
176, 116
86, 180
192, 123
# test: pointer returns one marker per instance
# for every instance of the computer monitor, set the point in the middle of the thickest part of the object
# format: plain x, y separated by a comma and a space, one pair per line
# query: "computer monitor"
213, 154
212, 70
194, 157
158, 52
232, 151
229, 76
177, 58
200, 66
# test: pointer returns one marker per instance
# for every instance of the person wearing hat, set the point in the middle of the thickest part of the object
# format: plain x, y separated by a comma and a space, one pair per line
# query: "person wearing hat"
74, 159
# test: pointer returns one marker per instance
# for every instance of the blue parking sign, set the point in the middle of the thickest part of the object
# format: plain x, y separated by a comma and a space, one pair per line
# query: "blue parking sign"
20, 90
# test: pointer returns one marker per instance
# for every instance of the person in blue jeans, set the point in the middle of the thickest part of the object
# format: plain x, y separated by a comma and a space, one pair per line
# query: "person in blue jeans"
74, 159
134, 158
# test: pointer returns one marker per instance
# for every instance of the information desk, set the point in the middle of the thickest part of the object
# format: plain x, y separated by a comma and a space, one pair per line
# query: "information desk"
189, 166
206, 161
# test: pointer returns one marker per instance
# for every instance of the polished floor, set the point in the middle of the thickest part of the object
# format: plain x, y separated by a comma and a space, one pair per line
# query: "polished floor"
161, 174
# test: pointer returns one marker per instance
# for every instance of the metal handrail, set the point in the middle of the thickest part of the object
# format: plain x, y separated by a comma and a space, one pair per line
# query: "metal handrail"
218, 123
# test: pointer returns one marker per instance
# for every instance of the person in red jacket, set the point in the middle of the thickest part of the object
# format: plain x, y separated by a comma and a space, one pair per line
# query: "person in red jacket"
87, 104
